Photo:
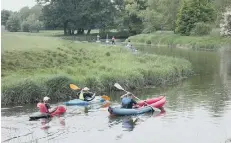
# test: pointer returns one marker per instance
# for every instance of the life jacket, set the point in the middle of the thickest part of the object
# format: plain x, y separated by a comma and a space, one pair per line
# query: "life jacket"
42, 107
81, 97
126, 101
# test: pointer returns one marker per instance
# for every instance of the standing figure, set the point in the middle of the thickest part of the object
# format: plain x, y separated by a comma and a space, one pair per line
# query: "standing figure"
113, 40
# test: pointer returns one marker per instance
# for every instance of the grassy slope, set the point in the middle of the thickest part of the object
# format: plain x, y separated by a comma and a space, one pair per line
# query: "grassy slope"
212, 41
34, 66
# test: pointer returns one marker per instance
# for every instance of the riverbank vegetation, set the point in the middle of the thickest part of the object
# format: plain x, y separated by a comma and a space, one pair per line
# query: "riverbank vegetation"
35, 66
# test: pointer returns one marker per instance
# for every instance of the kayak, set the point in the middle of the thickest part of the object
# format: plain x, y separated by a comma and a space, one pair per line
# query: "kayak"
151, 101
141, 107
59, 111
88, 101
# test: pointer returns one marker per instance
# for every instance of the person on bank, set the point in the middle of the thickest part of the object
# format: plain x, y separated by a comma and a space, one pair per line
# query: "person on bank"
113, 40
127, 101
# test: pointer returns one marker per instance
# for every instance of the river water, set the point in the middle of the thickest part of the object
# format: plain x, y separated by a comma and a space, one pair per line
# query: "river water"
198, 110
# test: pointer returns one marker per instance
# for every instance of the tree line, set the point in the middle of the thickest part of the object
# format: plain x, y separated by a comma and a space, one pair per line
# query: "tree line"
26, 19
185, 17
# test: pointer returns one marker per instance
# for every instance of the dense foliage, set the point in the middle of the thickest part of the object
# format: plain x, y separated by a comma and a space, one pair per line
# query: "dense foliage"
134, 16
192, 12
26, 19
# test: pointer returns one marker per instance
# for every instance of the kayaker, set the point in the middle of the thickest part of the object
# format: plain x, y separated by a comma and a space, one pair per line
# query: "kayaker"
85, 93
45, 107
45, 101
128, 101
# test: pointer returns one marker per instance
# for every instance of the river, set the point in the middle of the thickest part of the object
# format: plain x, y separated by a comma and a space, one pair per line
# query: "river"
198, 110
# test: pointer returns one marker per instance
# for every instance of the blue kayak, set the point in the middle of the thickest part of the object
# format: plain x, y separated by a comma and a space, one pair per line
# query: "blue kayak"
118, 111
87, 101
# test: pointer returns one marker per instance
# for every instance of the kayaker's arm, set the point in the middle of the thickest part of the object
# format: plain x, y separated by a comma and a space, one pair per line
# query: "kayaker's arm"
48, 105
133, 101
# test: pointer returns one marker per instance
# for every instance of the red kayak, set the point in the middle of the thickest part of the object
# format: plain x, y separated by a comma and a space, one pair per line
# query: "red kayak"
59, 110
157, 102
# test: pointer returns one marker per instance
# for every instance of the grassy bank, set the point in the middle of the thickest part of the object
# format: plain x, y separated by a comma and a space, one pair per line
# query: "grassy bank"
211, 41
35, 66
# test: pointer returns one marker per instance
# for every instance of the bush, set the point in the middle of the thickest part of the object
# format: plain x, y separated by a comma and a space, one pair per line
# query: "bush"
31, 24
148, 42
201, 29
13, 23
25, 26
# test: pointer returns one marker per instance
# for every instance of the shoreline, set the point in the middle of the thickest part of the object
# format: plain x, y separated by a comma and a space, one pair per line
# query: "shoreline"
174, 40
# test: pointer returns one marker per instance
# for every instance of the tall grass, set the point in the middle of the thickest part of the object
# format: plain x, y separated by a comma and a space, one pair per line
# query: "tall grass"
29, 74
211, 41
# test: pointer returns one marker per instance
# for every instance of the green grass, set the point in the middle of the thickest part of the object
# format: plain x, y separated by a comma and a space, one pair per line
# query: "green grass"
35, 66
211, 41
12, 42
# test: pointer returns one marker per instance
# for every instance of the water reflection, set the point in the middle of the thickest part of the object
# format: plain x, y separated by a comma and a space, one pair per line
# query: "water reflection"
129, 123
46, 123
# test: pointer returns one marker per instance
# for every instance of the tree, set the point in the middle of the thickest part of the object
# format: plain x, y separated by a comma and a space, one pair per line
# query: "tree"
220, 6
60, 12
183, 20
25, 26
24, 12
192, 12
130, 15
37, 11
225, 24
13, 23
5, 14
78, 14
34, 23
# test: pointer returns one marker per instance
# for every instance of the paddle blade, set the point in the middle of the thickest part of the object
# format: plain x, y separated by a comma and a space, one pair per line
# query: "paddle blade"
118, 86
105, 97
74, 87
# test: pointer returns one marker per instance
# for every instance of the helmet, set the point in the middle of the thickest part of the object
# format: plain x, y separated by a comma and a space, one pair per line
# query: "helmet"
86, 89
46, 98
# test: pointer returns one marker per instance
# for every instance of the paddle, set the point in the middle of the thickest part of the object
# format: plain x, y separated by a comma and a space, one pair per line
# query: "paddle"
74, 87
105, 97
121, 88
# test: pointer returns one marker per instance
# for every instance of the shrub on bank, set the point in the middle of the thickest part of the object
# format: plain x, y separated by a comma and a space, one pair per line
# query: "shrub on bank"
201, 29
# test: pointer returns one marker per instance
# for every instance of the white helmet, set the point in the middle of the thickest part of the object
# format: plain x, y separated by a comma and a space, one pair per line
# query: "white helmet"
86, 89
46, 98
